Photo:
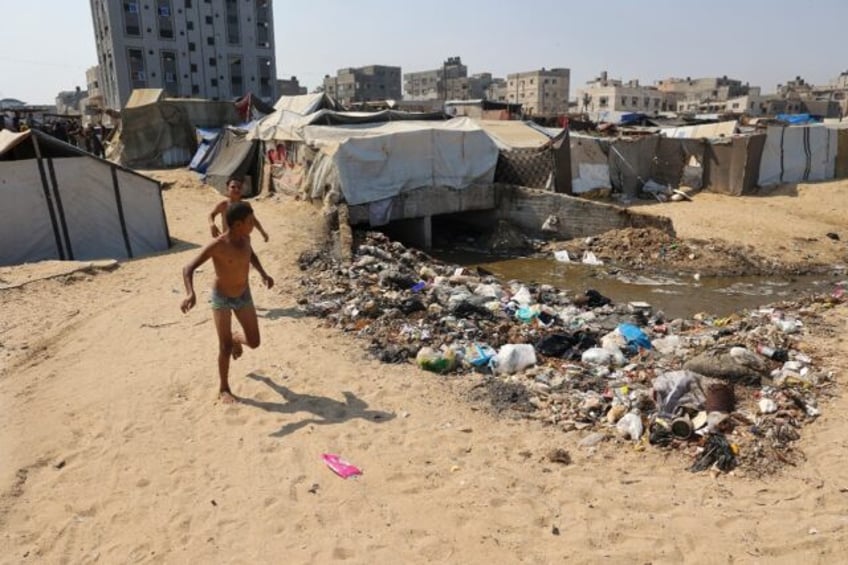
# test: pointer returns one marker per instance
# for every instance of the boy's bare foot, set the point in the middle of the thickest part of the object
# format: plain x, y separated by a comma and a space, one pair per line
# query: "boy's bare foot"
237, 350
227, 397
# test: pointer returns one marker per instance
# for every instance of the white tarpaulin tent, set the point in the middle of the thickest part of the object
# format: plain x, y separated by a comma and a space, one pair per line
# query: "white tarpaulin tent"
371, 162
304, 104
62, 203
798, 154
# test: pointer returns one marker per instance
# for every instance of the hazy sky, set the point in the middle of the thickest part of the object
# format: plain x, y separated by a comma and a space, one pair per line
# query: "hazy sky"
46, 45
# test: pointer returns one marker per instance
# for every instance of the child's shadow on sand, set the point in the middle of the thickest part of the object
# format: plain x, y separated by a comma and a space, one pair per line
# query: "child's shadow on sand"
329, 411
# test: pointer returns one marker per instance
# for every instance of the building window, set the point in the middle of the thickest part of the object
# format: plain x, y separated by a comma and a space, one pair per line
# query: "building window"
236, 78
169, 72
132, 19
165, 21
189, 25
212, 61
193, 67
136, 66
191, 46
233, 32
262, 24
188, 7
213, 82
210, 41
603, 101
624, 100
264, 64
635, 101
209, 20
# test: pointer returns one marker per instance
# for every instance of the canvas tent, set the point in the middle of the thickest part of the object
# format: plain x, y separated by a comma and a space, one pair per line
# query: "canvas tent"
366, 163
731, 165
153, 133
230, 153
304, 104
798, 154
63, 203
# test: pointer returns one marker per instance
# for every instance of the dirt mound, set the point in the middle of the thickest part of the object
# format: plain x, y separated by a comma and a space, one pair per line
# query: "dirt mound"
649, 248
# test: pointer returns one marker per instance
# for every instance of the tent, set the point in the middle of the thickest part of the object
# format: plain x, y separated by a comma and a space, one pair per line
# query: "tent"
370, 162
304, 104
798, 154
530, 156
231, 153
63, 203
153, 133
733, 164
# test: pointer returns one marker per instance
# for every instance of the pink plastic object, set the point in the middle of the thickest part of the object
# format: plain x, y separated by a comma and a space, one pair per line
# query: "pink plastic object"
339, 466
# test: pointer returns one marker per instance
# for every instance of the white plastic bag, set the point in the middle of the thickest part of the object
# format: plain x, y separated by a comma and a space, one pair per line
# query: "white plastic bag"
513, 357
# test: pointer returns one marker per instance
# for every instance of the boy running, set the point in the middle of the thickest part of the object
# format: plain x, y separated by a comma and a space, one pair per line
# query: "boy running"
234, 186
232, 257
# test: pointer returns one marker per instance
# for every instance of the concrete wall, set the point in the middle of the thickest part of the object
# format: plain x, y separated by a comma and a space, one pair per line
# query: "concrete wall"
527, 208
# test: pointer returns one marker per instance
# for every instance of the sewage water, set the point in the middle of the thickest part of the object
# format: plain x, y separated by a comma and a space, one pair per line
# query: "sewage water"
679, 296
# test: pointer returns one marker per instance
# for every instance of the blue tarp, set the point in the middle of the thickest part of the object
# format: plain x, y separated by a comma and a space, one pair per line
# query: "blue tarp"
633, 118
797, 119
206, 140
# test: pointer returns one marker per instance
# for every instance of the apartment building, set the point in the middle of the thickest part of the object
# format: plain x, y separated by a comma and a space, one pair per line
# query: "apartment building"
289, 87
444, 83
216, 49
604, 95
541, 93
690, 94
364, 84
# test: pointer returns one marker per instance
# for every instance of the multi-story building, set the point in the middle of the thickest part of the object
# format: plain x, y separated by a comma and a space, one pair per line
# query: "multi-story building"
604, 95
92, 107
290, 87
364, 84
690, 95
68, 102
449, 82
541, 93
217, 49
497, 90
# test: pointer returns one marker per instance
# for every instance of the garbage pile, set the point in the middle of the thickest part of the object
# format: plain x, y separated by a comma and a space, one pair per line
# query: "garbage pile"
726, 391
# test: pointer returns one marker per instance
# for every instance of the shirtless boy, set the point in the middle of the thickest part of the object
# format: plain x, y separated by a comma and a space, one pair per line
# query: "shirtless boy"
234, 186
232, 257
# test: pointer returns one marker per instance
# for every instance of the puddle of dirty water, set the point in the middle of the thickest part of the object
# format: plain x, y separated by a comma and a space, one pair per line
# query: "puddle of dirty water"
676, 296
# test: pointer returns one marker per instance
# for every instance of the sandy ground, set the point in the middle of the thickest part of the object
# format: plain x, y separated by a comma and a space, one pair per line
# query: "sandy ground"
788, 222
113, 448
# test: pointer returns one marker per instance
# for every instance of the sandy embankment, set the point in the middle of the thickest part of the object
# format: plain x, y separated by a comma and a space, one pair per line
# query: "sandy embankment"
113, 449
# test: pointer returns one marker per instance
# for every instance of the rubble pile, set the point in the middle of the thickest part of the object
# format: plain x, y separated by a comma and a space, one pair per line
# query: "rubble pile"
725, 391
641, 248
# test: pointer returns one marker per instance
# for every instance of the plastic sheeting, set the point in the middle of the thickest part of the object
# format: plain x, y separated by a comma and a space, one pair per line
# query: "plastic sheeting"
589, 163
83, 208
798, 154
732, 165
370, 162
721, 129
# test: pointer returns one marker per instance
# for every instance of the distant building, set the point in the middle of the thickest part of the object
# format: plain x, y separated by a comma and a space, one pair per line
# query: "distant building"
497, 90
217, 49
690, 94
69, 101
94, 104
450, 82
11, 103
541, 93
828, 101
290, 87
364, 84
605, 95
